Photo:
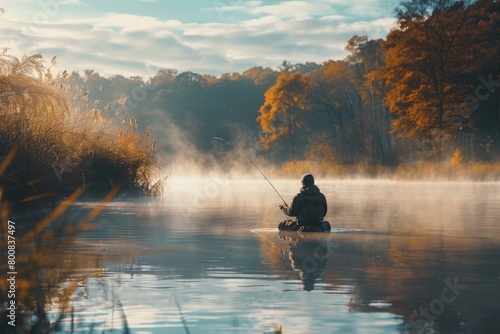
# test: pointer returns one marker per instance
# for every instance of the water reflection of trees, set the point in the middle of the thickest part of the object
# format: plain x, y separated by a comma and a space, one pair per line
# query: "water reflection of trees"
430, 281
48, 267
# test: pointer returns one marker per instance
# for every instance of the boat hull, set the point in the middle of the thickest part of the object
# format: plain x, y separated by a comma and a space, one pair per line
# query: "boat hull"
292, 225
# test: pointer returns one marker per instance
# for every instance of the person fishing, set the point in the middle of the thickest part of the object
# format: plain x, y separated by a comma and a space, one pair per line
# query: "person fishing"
309, 207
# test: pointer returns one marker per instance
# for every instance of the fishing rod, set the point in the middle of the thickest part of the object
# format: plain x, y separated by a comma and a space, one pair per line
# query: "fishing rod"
265, 177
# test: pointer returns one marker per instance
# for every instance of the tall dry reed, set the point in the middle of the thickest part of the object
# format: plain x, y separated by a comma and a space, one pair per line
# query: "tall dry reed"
62, 141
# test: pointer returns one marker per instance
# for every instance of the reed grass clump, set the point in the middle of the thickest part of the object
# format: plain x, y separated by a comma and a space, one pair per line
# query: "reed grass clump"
46, 270
60, 143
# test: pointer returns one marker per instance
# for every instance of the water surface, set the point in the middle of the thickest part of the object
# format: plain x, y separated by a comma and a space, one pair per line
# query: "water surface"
207, 258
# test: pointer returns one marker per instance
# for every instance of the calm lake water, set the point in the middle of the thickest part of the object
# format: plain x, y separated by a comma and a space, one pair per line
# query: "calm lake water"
207, 258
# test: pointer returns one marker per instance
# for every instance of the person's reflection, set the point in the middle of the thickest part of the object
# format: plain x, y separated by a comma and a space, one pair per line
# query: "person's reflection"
308, 256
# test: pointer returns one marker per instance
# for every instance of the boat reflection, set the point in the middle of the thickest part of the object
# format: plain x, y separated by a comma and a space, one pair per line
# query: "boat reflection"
308, 256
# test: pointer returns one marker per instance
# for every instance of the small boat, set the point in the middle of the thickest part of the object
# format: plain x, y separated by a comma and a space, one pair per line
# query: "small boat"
292, 225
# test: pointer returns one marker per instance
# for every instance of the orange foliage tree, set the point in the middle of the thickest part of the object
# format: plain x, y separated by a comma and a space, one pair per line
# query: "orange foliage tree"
365, 59
432, 48
281, 114
331, 94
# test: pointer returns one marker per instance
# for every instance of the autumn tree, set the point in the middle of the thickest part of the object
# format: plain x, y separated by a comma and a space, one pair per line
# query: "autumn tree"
364, 60
332, 95
424, 59
261, 76
481, 132
163, 76
281, 115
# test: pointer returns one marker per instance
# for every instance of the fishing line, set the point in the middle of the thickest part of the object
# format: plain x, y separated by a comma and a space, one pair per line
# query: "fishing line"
264, 220
265, 177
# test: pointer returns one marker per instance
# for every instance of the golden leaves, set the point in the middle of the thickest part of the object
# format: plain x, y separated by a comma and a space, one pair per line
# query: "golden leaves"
280, 115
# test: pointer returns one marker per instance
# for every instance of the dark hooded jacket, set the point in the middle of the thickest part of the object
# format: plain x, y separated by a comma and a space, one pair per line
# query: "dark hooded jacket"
309, 206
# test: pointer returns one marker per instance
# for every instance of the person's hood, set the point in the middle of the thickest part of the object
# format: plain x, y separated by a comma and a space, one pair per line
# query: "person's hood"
309, 191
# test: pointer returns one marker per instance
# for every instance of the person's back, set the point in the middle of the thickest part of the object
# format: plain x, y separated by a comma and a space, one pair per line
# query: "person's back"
309, 206
312, 206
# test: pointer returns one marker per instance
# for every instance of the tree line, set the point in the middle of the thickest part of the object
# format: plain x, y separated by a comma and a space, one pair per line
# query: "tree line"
426, 91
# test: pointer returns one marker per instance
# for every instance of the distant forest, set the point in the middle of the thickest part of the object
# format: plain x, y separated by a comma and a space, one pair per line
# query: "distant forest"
428, 91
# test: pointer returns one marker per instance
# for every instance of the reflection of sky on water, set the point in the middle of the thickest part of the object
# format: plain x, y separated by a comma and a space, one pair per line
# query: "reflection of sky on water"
221, 305
210, 245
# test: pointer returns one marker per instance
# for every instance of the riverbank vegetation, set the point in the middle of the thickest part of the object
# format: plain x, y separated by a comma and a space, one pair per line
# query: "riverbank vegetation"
55, 138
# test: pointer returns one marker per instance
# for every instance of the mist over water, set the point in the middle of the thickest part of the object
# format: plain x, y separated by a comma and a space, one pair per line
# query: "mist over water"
403, 257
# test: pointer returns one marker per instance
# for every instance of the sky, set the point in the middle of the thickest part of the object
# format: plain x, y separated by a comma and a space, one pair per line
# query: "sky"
140, 37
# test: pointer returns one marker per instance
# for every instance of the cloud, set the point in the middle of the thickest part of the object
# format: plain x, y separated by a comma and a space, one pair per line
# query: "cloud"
304, 9
130, 44
70, 2
292, 9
